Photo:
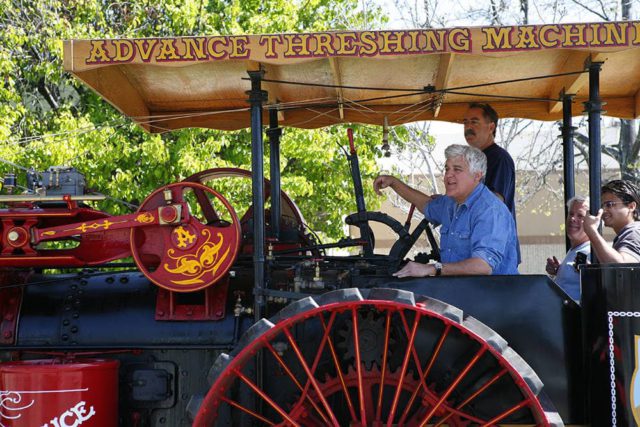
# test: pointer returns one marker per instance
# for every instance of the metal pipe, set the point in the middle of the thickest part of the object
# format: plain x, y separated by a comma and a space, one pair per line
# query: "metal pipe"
594, 108
568, 156
274, 133
257, 97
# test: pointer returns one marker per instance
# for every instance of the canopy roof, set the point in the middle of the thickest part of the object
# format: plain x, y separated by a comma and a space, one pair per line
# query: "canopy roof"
319, 79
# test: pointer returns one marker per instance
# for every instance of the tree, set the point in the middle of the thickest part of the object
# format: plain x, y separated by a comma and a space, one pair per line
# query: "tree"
48, 118
545, 153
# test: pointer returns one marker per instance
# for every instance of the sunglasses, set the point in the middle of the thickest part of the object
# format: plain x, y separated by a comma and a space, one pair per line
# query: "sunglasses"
609, 204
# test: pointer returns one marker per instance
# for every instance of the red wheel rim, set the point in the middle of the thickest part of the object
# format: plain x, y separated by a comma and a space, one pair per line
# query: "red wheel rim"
396, 381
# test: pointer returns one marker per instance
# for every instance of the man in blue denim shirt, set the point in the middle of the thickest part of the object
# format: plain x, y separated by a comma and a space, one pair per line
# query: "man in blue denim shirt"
478, 234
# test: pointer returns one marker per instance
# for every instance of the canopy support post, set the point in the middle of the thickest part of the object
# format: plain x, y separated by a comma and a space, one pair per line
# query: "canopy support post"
274, 133
594, 108
568, 167
257, 97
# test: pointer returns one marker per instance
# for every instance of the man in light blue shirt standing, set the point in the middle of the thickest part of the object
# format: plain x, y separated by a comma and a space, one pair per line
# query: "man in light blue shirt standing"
477, 234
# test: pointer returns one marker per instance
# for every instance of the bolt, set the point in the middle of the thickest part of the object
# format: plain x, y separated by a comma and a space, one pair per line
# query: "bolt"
66, 322
74, 329
219, 313
124, 279
8, 317
108, 280
76, 315
74, 287
84, 282
160, 313
189, 312
7, 334
65, 337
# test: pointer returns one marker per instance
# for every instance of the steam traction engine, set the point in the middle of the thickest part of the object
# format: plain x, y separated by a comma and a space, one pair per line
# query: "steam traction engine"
168, 339
193, 310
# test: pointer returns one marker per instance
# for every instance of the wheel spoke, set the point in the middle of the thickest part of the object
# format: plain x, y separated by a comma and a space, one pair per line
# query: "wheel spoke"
356, 346
310, 376
508, 412
208, 211
454, 384
246, 410
290, 374
265, 397
403, 370
385, 352
475, 394
425, 373
336, 363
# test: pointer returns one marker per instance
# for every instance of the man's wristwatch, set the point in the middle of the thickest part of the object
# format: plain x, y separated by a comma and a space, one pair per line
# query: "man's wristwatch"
438, 267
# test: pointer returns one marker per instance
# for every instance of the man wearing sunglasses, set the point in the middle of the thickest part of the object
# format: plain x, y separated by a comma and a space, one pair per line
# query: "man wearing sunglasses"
620, 211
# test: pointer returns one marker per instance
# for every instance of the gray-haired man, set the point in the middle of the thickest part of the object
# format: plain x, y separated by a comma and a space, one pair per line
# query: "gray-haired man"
478, 234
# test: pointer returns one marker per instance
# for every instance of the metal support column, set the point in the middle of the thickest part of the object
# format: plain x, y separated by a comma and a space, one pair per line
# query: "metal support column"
257, 97
568, 156
594, 108
274, 133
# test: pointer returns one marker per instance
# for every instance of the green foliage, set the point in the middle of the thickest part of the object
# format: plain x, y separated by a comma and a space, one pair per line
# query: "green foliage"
48, 118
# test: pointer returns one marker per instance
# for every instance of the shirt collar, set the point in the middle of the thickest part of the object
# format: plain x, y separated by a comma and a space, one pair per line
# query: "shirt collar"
474, 195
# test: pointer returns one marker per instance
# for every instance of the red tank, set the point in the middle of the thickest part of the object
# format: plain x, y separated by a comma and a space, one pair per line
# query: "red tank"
59, 393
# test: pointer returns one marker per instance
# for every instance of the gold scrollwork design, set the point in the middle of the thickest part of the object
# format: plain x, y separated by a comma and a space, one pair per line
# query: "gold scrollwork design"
145, 218
206, 259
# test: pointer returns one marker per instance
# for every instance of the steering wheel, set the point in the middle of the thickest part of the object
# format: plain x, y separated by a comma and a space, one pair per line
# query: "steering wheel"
405, 240
193, 246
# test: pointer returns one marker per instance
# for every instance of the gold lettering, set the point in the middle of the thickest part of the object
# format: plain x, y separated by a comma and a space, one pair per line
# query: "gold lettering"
297, 45
459, 40
636, 26
212, 44
324, 45
435, 40
194, 48
391, 38
368, 47
239, 48
98, 52
616, 33
527, 38
270, 41
544, 38
412, 45
497, 38
346, 43
145, 47
168, 50
574, 35
124, 50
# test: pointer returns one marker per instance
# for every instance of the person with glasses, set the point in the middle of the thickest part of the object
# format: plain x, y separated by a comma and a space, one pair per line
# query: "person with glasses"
566, 273
480, 124
620, 211
477, 232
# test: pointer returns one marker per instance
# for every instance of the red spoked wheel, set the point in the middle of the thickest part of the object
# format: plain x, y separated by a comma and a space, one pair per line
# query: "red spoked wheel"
379, 357
196, 245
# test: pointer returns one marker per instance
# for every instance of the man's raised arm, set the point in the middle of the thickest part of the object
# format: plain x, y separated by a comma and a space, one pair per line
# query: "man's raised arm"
411, 195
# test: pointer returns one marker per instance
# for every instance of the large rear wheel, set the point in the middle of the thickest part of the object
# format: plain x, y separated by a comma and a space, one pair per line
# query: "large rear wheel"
379, 357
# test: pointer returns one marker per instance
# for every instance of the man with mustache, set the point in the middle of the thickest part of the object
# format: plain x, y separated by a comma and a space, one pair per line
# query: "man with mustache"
620, 211
477, 234
480, 124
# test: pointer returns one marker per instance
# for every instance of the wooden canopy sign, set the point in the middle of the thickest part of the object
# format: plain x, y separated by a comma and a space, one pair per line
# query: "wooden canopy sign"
323, 78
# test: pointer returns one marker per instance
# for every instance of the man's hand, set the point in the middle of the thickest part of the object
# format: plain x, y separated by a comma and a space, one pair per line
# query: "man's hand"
381, 182
552, 266
415, 269
591, 223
